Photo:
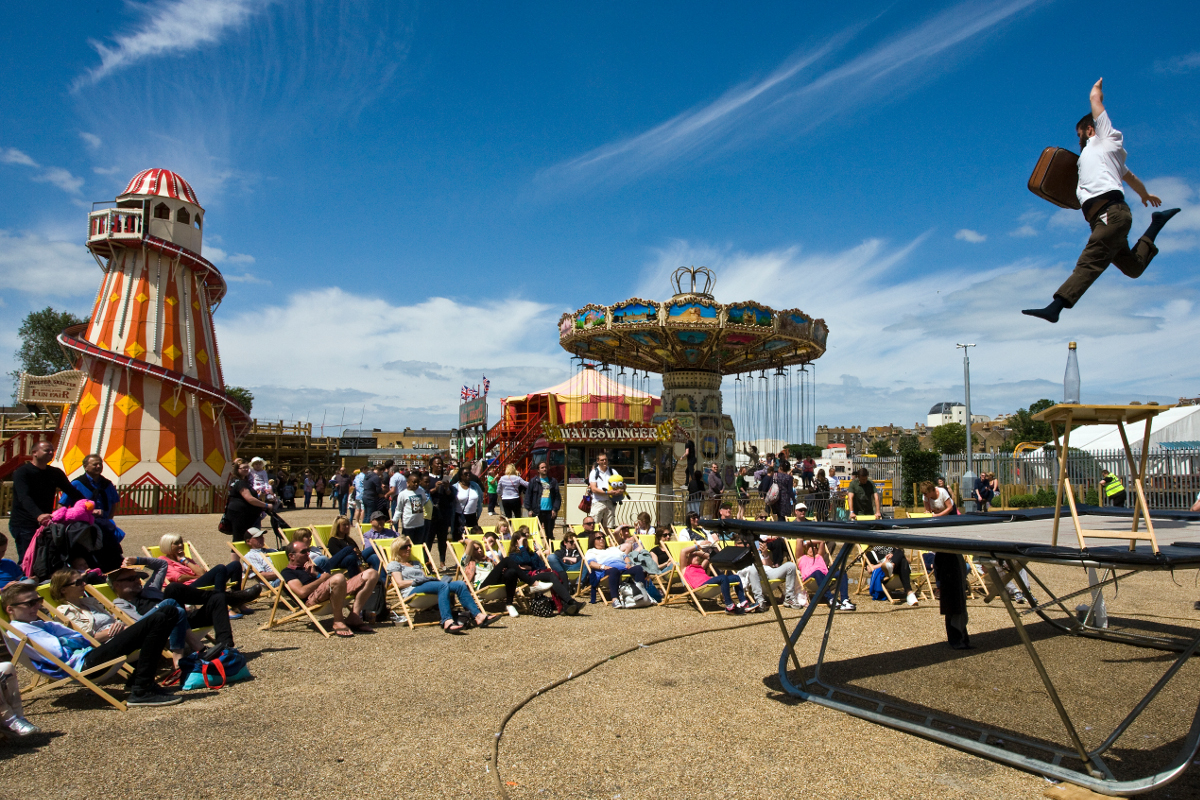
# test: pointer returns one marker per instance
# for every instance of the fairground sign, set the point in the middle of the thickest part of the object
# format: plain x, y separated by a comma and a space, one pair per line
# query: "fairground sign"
61, 388
610, 431
472, 412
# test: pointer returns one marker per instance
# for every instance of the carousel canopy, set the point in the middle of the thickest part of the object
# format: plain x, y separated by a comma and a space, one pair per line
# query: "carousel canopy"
692, 331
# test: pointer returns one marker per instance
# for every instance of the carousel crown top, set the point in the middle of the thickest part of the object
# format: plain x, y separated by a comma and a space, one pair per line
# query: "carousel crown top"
692, 331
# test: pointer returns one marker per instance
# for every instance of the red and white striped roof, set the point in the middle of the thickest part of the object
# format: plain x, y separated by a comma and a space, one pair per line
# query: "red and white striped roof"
161, 182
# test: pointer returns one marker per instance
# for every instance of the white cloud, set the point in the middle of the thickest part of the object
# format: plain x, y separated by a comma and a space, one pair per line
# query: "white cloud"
241, 258
788, 97
1023, 231
39, 266
10, 155
170, 28
92, 141
245, 277
968, 235
218, 256
61, 178
403, 364
106, 170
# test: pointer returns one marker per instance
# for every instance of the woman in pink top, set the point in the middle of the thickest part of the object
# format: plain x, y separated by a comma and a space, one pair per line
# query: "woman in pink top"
181, 569
813, 565
696, 574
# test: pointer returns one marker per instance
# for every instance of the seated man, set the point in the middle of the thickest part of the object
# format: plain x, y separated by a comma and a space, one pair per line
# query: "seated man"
692, 532
777, 565
612, 563
314, 588
257, 555
209, 607
22, 602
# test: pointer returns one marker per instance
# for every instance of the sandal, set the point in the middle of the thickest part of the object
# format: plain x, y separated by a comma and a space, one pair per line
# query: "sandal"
344, 632
490, 619
449, 626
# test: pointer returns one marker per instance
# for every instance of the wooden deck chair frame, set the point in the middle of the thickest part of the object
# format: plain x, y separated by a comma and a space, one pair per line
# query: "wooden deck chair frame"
707, 592
41, 684
489, 594
270, 591
300, 610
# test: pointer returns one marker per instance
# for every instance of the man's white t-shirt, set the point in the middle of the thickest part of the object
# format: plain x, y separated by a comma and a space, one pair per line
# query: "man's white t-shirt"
600, 478
1102, 162
398, 482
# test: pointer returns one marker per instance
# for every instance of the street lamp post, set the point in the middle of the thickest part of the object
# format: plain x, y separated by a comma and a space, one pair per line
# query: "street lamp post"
969, 477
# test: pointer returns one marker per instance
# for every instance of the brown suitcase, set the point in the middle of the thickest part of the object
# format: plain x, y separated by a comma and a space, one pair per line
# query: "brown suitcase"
1056, 176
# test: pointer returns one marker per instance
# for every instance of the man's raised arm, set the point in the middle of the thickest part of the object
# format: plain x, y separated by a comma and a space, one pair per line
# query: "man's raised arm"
1097, 98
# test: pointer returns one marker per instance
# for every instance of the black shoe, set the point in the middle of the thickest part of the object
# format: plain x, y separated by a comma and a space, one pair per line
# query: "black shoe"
149, 697
1196, 605
573, 609
242, 596
216, 650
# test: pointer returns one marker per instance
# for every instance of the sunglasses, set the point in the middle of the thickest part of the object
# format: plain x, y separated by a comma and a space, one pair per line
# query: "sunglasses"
79, 582
35, 601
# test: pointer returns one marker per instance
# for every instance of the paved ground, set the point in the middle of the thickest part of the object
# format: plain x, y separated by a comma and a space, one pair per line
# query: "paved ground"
414, 713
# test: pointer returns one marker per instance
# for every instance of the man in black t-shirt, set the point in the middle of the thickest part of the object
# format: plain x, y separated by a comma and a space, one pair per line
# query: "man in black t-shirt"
35, 486
314, 588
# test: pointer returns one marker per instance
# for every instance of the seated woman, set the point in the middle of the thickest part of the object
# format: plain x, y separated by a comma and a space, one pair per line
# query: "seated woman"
568, 553
937, 499
89, 616
339, 540
13, 724
476, 566
611, 563
346, 559
893, 561
695, 573
813, 565
181, 569
659, 551
523, 564
413, 580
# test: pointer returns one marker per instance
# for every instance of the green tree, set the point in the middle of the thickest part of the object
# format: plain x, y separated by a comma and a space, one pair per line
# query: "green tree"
881, 448
1025, 428
950, 438
242, 396
40, 353
798, 451
917, 465
909, 443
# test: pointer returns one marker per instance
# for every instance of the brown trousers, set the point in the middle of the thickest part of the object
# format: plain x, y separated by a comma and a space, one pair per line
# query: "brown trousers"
1108, 244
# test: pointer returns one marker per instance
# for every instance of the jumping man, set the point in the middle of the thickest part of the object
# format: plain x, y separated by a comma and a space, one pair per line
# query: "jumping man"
1101, 170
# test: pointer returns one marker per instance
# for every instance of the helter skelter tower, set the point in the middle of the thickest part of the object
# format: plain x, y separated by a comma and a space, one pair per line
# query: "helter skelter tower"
153, 403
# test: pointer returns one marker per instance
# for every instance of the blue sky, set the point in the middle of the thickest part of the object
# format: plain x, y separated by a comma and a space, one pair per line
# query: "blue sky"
405, 197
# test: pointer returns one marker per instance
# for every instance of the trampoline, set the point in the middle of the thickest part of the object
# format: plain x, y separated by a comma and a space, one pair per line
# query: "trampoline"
1012, 542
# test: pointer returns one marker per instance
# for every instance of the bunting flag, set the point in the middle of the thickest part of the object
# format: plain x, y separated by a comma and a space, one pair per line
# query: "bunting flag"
486, 384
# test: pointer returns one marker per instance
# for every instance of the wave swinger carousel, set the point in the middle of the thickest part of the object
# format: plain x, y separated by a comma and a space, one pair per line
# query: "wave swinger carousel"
692, 341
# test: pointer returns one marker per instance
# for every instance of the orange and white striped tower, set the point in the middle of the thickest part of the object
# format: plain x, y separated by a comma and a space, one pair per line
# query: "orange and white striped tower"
153, 403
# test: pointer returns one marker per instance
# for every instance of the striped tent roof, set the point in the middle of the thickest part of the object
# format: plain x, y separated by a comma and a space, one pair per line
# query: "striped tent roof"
161, 182
589, 382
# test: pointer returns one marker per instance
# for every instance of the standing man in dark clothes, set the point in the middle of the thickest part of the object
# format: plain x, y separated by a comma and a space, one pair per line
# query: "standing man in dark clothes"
34, 486
372, 492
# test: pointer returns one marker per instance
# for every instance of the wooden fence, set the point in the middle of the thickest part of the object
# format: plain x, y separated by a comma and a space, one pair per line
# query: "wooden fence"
146, 499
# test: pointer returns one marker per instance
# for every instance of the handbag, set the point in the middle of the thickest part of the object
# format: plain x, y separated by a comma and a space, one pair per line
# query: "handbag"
541, 606
228, 667
773, 494
585, 504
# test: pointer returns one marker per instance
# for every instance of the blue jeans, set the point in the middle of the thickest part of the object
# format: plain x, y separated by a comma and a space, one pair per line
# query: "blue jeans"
345, 559
443, 589
555, 564
725, 581
342, 500
843, 584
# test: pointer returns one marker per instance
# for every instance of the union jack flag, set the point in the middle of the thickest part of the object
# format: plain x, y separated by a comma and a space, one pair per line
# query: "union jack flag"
465, 394
474, 394
486, 384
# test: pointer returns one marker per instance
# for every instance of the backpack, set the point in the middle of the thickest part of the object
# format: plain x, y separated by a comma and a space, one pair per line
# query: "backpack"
773, 494
633, 594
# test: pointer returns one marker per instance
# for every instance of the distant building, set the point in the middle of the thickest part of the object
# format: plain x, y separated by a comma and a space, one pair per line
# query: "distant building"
943, 413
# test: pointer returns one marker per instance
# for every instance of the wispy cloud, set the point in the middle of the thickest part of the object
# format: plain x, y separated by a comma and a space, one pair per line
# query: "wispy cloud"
56, 176
170, 28
795, 94
968, 235
40, 266
1179, 64
92, 141
1022, 232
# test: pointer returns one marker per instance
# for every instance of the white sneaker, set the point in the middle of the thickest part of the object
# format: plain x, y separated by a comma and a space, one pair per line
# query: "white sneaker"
912, 599
512, 611
540, 586
802, 600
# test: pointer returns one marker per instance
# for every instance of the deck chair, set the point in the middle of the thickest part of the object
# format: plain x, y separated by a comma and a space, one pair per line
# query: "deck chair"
23, 649
322, 532
410, 606
270, 593
709, 592
107, 596
493, 593
189, 551
295, 608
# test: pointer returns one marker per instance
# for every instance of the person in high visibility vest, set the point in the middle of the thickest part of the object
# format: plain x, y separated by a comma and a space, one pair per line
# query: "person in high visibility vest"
1114, 490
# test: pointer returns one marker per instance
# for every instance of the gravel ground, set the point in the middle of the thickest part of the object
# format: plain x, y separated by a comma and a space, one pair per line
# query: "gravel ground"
416, 711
